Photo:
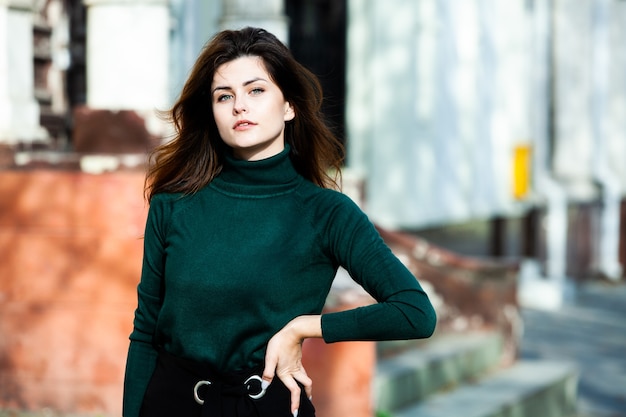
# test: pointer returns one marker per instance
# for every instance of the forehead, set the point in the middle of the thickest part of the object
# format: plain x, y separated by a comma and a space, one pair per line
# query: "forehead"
240, 70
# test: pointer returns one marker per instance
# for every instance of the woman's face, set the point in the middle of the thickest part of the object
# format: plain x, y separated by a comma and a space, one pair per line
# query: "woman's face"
249, 109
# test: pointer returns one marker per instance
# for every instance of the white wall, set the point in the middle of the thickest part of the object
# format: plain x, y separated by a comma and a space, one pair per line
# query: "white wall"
591, 90
438, 95
194, 22
19, 111
127, 53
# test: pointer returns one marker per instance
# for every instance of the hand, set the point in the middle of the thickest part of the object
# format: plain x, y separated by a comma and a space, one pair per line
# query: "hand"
284, 357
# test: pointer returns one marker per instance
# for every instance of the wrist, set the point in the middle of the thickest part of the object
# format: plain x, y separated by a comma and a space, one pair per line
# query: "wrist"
304, 327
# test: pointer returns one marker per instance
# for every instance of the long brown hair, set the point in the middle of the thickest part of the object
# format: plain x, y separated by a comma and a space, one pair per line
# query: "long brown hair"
195, 154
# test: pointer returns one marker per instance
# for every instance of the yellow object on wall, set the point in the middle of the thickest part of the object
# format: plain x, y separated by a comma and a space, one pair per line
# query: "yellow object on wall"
521, 171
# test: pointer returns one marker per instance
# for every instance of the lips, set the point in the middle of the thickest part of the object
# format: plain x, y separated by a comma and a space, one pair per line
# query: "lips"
243, 124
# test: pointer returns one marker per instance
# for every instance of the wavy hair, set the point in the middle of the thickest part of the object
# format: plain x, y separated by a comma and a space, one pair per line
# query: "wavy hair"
195, 154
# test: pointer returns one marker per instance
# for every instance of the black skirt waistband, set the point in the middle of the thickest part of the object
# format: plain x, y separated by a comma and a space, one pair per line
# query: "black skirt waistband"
185, 387
207, 371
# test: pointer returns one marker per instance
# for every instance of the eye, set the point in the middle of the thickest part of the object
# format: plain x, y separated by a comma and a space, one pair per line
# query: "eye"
257, 91
224, 97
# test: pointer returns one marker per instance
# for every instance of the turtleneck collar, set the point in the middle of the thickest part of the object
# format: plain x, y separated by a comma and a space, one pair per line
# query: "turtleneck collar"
269, 176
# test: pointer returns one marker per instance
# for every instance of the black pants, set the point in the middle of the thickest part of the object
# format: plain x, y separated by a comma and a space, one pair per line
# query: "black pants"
176, 380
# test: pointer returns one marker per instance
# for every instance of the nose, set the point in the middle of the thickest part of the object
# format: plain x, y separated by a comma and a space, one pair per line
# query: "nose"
239, 106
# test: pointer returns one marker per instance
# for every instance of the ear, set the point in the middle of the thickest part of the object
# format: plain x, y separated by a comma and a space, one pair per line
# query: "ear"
290, 112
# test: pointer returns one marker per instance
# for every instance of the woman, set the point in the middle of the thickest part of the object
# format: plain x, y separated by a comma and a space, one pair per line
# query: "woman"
243, 239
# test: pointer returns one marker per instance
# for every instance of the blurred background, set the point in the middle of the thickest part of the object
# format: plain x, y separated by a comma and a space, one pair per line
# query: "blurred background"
486, 139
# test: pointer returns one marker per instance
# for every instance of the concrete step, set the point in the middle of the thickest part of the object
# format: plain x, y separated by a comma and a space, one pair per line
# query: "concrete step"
406, 374
527, 389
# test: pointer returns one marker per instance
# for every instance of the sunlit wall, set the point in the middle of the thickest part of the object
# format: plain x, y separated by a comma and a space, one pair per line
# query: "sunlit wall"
445, 98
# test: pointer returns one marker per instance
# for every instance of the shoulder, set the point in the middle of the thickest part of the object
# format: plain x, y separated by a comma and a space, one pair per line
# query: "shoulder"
165, 198
163, 204
325, 197
329, 204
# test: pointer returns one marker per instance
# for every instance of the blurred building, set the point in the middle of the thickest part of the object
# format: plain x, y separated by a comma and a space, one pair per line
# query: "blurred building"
493, 128
487, 127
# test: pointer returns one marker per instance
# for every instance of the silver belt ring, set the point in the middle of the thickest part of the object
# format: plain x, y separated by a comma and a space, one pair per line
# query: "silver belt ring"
195, 391
260, 393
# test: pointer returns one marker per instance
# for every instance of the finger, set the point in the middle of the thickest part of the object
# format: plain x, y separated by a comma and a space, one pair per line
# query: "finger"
295, 390
307, 382
269, 371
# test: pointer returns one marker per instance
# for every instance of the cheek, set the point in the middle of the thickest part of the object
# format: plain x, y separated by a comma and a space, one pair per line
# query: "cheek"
221, 123
220, 117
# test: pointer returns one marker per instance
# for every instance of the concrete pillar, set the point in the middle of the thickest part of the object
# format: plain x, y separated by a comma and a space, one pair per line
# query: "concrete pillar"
608, 247
19, 111
127, 57
268, 14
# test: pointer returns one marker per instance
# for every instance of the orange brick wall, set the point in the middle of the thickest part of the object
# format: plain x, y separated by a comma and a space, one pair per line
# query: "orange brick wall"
70, 259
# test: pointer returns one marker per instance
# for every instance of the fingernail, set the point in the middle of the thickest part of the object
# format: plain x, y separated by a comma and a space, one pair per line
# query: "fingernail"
295, 413
264, 384
311, 398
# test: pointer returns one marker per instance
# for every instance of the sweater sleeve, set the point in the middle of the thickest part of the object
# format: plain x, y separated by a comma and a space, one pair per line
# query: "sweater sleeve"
142, 354
402, 311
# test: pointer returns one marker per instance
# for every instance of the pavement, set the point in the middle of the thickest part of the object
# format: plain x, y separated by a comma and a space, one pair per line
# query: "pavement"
589, 330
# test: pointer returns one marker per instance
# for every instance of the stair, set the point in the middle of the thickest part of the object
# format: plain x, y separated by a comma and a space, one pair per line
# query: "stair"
461, 375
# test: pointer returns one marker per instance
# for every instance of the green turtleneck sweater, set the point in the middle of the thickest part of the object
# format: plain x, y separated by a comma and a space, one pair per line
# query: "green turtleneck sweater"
226, 268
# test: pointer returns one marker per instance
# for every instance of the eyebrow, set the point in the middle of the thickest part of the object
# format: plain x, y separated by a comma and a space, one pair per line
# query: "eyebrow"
219, 87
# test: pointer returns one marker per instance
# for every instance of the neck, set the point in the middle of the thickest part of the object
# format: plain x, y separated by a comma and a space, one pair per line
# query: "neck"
259, 153
276, 170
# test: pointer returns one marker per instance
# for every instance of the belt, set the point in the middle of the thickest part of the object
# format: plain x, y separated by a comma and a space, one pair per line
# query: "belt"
217, 397
247, 388
186, 387
218, 394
